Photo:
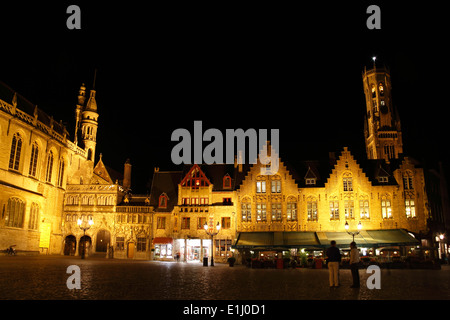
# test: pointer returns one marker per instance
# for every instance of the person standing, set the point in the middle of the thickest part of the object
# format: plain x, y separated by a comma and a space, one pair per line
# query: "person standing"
334, 258
354, 262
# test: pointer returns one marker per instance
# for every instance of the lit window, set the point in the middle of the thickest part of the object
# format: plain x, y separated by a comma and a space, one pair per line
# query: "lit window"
260, 187
334, 210
410, 208
246, 211
312, 210
276, 211
348, 184
276, 185
349, 209
364, 209
381, 89
386, 210
261, 212
291, 211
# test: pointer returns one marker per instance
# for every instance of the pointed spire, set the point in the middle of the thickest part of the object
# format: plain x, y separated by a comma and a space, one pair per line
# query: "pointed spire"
91, 104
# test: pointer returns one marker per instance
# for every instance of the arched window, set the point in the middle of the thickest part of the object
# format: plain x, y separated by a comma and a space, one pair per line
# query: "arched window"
34, 217
61, 173
162, 203
374, 91
89, 155
381, 89
33, 160
227, 182
48, 173
16, 148
15, 213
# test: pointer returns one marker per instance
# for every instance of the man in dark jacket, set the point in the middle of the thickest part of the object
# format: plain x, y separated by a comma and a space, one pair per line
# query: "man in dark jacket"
334, 258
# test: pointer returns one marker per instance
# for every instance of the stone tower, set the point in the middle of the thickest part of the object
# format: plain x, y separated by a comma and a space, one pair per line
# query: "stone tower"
382, 129
89, 125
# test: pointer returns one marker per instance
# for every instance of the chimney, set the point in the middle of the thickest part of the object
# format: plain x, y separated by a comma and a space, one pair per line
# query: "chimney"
240, 161
127, 174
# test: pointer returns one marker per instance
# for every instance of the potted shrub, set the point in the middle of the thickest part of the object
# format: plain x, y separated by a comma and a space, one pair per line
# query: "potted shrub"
231, 261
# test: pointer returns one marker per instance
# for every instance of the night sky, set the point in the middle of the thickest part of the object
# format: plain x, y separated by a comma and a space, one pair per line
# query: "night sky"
263, 66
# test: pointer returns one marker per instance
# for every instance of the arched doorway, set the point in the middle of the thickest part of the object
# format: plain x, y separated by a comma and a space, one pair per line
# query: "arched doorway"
85, 244
103, 239
70, 245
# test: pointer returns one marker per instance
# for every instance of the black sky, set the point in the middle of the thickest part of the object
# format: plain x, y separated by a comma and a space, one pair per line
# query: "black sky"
294, 68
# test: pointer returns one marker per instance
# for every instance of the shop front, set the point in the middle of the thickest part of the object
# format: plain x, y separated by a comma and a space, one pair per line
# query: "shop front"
192, 250
163, 249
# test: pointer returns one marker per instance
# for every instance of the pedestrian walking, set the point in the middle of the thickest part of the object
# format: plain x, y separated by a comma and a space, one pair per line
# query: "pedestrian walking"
354, 264
333, 260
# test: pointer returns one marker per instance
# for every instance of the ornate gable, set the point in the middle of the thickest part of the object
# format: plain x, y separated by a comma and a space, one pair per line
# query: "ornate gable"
101, 174
195, 178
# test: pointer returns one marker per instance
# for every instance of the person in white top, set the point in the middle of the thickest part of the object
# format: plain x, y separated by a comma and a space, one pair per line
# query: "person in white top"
354, 262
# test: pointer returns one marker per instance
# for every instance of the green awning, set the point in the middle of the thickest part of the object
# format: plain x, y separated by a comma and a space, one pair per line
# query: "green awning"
320, 240
369, 238
276, 240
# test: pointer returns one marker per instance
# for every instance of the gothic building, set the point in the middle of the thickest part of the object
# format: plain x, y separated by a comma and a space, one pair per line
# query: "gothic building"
37, 163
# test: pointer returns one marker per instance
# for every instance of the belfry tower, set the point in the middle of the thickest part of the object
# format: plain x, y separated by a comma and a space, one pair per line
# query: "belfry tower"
382, 128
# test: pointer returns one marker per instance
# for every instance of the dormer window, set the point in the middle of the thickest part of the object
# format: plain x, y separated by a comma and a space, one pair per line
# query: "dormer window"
382, 179
162, 203
310, 177
227, 182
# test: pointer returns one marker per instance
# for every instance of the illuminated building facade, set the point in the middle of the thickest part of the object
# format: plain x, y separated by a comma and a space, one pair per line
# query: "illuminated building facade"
49, 184
37, 163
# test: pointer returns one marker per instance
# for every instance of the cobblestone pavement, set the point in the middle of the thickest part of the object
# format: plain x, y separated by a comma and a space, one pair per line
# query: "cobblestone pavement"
44, 277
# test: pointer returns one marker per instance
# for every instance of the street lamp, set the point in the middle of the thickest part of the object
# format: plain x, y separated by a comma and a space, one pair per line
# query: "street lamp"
212, 234
84, 225
355, 233
441, 239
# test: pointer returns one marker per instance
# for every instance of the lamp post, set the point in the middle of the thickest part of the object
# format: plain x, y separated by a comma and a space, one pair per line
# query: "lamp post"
212, 234
84, 225
355, 233
441, 239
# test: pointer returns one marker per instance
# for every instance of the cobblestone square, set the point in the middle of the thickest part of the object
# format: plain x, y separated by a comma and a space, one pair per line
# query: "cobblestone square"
44, 278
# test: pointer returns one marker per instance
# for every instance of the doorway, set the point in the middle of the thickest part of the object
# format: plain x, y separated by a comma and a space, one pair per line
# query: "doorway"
130, 251
85, 245
103, 239
70, 244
